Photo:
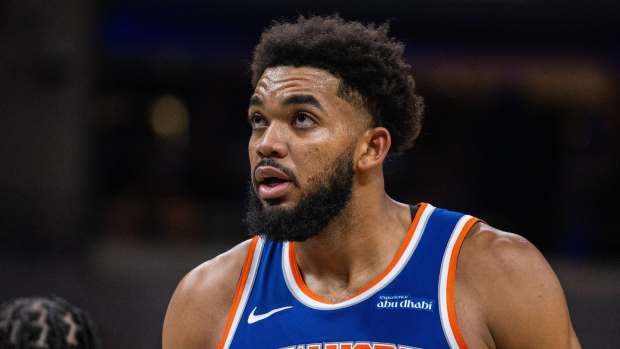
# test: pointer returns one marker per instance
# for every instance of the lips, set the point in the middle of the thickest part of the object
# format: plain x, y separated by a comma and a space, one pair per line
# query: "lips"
264, 173
272, 182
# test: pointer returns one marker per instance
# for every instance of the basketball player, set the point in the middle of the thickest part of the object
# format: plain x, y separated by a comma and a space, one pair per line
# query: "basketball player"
46, 322
336, 263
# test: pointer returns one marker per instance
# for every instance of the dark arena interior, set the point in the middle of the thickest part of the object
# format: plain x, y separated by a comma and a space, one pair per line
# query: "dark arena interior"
123, 143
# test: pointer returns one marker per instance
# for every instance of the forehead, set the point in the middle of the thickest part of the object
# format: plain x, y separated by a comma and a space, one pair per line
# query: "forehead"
283, 80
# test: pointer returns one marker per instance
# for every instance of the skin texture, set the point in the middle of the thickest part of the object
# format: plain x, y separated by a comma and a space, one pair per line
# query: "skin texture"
523, 307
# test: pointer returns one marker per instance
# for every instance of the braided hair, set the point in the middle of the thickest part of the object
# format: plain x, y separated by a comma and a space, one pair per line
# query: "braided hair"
46, 322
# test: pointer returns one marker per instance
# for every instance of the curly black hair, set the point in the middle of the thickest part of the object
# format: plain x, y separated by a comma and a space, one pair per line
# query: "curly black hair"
46, 322
367, 61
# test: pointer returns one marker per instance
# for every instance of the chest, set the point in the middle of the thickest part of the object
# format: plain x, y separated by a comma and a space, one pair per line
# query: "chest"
411, 305
392, 318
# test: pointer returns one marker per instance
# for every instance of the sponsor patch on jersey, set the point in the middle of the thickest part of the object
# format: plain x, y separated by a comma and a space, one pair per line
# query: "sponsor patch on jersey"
405, 302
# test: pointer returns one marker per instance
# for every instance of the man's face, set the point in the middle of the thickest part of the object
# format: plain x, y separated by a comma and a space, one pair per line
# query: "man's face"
302, 143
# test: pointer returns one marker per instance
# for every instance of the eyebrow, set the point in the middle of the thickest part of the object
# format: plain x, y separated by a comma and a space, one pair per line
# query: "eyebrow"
303, 99
291, 100
256, 101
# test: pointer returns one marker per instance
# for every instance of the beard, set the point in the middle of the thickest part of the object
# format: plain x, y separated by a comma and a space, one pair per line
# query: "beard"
323, 202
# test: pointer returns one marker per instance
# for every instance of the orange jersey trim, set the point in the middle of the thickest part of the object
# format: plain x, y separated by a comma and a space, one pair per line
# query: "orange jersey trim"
451, 281
399, 253
247, 264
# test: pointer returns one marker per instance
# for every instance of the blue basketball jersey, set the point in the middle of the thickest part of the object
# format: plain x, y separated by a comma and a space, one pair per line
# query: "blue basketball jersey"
410, 305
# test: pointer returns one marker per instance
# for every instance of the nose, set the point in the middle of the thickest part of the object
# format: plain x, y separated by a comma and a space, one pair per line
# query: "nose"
273, 142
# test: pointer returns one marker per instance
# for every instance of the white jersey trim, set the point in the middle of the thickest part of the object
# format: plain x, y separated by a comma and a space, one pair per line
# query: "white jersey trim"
443, 282
314, 304
247, 289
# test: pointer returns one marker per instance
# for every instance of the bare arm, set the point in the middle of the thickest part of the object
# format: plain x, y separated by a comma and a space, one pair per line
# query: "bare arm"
523, 304
199, 307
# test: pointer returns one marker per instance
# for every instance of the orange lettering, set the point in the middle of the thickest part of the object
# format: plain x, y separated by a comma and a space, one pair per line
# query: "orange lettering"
384, 346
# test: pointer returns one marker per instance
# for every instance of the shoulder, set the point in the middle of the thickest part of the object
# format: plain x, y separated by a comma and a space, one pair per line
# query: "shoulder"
524, 304
490, 256
198, 311
495, 250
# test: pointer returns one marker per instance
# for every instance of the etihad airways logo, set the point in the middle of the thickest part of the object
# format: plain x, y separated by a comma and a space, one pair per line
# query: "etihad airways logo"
405, 302
350, 345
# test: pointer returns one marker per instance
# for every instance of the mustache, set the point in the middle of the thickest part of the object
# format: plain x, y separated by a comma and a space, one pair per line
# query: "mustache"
271, 162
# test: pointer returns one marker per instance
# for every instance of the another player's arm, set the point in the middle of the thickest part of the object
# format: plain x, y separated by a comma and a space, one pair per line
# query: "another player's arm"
198, 311
523, 304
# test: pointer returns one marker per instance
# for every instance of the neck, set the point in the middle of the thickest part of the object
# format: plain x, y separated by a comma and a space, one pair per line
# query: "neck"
356, 247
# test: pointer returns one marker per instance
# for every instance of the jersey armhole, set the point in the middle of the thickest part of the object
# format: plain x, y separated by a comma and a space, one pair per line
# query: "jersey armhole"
413, 209
241, 294
447, 282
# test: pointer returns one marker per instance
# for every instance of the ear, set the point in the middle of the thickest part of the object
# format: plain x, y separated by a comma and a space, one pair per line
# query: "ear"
374, 147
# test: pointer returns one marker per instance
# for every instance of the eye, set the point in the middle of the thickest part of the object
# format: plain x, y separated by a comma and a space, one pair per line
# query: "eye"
304, 120
257, 121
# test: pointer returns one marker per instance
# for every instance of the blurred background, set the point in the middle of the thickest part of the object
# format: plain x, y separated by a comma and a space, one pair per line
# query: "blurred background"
123, 141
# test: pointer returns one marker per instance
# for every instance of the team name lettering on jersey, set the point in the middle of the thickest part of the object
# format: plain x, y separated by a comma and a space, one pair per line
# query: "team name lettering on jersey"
350, 345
